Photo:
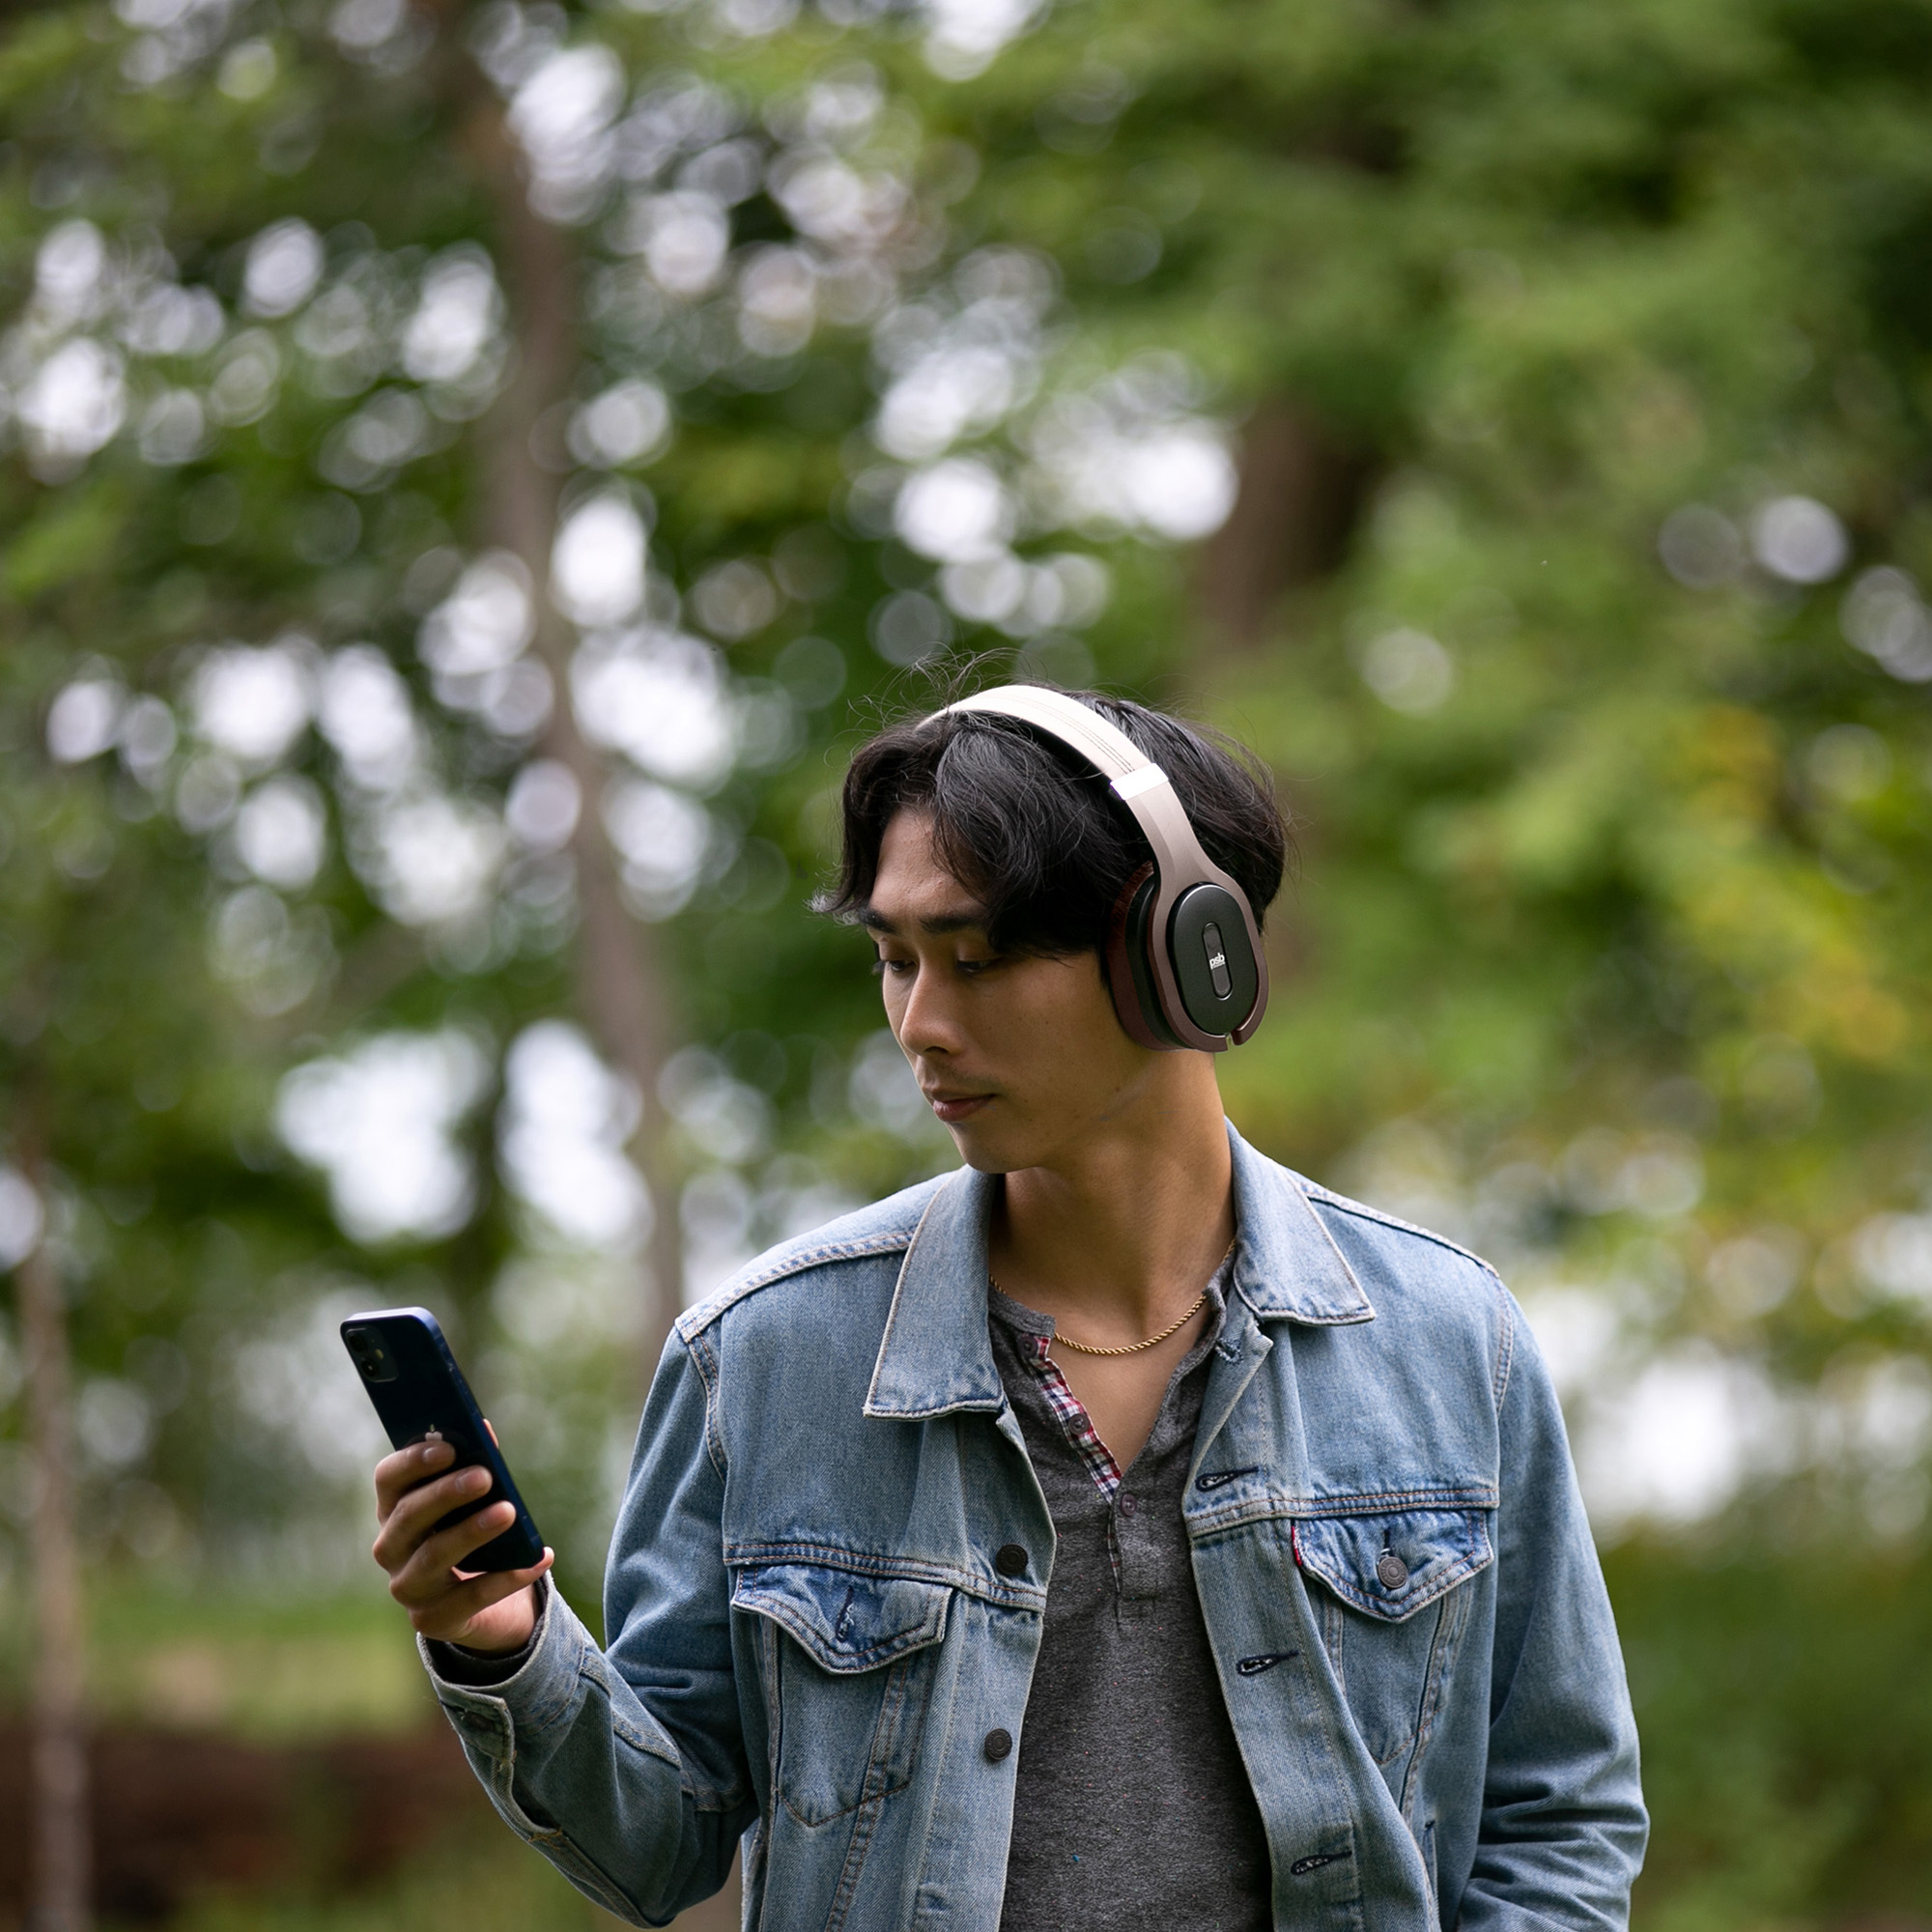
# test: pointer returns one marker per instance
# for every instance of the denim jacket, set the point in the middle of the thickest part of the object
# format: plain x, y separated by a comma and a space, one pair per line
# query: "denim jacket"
817, 1617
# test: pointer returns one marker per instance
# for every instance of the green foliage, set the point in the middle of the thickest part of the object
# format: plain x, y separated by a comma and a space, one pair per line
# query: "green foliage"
1786, 1723
269, 1664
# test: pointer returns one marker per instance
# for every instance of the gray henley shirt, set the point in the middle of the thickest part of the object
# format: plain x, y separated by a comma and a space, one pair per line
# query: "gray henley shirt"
1132, 1811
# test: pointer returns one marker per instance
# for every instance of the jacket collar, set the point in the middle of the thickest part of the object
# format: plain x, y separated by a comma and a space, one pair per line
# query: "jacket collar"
1287, 1264
936, 1355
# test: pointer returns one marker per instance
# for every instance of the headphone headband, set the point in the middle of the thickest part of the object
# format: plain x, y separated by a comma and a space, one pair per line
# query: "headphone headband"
1161, 949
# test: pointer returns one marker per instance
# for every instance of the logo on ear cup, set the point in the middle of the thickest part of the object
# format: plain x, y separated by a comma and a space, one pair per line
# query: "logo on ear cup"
1217, 960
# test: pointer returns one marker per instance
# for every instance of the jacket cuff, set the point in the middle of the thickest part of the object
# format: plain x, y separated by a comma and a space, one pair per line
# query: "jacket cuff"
543, 1682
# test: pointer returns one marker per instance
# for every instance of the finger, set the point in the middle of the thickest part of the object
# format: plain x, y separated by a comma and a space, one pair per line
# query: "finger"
413, 1520
486, 1592
446, 1596
420, 1509
452, 1615
394, 1473
477, 1594
402, 1471
492, 1428
417, 1510
427, 1574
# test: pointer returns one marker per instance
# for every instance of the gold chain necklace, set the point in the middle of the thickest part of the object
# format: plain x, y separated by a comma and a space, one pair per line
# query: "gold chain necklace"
1152, 1341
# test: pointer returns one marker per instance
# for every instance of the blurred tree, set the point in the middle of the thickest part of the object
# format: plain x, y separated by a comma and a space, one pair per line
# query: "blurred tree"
61, 1849
106, 1002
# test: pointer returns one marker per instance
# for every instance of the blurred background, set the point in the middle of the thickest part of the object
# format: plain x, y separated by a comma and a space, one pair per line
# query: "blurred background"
469, 475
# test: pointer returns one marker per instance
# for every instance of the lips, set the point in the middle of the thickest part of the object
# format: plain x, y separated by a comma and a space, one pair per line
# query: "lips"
953, 1108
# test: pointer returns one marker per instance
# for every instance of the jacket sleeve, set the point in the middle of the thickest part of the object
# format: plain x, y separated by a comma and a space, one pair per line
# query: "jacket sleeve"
1563, 1824
626, 1769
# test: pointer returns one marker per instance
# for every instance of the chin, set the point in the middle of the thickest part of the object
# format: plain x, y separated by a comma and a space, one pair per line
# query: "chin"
994, 1152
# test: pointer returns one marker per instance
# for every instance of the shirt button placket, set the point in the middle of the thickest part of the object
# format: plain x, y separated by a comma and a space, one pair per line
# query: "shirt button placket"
1139, 1581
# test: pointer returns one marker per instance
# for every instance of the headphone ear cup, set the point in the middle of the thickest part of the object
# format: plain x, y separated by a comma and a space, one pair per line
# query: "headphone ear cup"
1129, 971
1214, 965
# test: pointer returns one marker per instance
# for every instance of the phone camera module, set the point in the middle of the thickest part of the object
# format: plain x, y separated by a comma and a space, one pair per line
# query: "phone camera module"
375, 1362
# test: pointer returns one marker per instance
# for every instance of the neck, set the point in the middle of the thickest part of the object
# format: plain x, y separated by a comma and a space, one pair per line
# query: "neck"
1125, 1225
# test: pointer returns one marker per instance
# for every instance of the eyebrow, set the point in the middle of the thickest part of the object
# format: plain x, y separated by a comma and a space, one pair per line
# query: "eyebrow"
968, 920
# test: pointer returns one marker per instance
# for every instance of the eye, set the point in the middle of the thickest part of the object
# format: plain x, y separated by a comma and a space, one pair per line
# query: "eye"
886, 968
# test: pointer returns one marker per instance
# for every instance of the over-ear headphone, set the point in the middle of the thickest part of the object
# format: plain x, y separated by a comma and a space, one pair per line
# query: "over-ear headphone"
1185, 956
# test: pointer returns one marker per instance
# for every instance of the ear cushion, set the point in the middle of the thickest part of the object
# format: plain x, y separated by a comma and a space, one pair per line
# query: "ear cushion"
1130, 976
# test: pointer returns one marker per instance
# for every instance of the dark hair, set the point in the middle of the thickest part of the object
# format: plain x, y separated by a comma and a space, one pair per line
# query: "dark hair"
1036, 833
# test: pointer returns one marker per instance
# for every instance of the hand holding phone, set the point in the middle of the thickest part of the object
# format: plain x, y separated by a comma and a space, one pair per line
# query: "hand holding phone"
456, 1539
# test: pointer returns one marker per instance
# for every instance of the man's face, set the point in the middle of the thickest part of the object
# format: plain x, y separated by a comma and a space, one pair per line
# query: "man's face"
1021, 1057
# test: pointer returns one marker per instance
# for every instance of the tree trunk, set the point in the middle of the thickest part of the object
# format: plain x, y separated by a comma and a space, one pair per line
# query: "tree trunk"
1301, 496
62, 1860
621, 985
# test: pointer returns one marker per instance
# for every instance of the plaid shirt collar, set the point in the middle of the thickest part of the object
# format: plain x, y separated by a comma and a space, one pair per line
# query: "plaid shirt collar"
1032, 1334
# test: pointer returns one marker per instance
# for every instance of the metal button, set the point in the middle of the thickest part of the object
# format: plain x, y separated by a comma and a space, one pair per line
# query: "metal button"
1130, 1505
1010, 1560
998, 1745
1392, 1570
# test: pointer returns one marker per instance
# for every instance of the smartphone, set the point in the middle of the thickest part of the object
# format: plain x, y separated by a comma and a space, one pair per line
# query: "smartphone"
418, 1392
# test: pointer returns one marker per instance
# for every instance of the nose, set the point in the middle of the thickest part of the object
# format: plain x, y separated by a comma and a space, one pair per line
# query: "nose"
924, 1023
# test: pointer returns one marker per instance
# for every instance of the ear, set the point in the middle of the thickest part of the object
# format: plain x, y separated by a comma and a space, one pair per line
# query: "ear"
1129, 980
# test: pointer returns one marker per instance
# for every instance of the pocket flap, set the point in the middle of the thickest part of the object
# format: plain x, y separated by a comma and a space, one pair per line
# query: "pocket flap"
1393, 1563
847, 1622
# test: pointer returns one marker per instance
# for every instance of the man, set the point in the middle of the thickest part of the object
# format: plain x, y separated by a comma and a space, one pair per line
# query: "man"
1119, 1532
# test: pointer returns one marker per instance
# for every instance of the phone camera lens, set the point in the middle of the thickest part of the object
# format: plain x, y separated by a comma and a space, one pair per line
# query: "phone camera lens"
371, 1357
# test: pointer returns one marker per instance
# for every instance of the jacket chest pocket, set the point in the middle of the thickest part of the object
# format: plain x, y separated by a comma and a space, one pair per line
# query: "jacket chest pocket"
1393, 1612
849, 1669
